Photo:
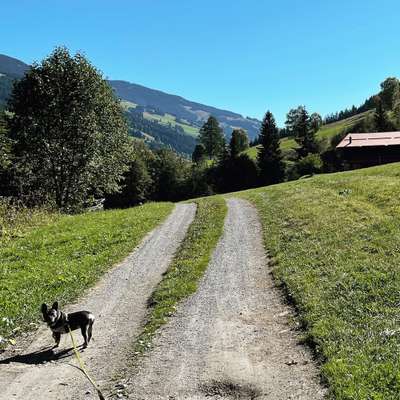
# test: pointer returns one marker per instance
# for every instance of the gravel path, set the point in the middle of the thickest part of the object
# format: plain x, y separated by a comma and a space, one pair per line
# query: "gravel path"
119, 304
232, 339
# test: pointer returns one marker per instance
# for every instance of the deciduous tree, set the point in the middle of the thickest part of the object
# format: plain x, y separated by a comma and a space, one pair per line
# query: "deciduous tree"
70, 135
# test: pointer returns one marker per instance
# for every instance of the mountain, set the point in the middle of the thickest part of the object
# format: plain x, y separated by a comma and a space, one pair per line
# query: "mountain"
10, 69
195, 114
159, 118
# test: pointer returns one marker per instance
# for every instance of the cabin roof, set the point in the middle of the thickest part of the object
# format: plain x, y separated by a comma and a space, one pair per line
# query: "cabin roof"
370, 139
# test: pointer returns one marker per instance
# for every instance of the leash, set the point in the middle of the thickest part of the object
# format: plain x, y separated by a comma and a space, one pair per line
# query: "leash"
82, 366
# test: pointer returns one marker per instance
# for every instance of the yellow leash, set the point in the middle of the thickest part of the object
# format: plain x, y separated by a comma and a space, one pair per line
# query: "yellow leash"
82, 366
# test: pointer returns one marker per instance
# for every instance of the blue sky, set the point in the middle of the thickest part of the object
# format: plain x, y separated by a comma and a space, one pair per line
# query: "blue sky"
243, 55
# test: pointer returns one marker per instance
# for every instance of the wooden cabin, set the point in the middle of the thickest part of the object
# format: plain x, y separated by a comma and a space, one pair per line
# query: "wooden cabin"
360, 150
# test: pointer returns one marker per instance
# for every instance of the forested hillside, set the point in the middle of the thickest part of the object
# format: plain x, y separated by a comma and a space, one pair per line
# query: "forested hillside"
159, 118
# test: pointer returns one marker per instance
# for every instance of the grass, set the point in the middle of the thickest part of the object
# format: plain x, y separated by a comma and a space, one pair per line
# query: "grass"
335, 243
16, 220
324, 135
187, 267
170, 119
61, 258
127, 105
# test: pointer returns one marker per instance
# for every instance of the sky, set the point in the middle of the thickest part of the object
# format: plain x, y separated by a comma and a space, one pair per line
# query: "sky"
247, 56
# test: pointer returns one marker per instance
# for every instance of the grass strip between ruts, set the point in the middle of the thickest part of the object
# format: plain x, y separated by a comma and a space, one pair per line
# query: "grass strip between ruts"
187, 267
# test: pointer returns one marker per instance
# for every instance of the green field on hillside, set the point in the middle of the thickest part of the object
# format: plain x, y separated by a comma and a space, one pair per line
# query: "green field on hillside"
335, 241
324, 135
167, 119
58, 257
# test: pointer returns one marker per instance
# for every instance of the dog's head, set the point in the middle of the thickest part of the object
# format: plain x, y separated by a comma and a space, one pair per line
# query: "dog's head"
50, 315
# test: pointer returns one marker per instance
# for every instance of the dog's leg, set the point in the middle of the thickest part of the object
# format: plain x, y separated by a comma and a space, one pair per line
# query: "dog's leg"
83, 330
57, 338
89, 330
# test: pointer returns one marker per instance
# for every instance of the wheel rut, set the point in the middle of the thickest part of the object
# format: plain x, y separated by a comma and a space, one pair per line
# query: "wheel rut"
232, 339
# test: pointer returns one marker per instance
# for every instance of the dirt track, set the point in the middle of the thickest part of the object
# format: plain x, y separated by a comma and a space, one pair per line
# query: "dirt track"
119, 303
232, 339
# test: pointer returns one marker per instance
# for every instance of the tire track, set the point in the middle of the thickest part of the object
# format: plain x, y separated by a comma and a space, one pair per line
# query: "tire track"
232, 339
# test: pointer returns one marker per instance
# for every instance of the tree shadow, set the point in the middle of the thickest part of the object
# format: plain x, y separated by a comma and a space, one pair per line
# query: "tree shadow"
39, 357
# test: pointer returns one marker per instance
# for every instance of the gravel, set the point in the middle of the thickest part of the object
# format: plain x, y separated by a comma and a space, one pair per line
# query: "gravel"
119, 304
233, 338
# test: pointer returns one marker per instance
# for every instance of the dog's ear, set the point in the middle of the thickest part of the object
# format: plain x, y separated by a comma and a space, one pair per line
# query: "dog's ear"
44, 308
55, 305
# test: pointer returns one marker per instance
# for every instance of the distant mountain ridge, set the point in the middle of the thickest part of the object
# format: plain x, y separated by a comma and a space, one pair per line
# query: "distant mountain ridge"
194, 113
171, 120
12, 67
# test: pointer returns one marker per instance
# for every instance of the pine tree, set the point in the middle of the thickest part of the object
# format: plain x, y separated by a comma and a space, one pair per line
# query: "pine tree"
381, 120
269, 157
212, 138
239, 142
299, 124
198, 153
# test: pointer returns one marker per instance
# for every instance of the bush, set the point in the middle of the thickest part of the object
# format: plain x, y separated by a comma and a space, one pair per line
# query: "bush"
309, 165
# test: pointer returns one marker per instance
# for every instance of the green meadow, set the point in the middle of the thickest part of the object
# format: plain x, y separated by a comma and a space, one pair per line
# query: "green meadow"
334, 241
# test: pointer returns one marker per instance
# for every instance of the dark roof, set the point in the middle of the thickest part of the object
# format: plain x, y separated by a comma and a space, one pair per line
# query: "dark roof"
370, 139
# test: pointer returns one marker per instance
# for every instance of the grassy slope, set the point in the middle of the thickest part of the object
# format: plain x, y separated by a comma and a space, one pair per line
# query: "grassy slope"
170, 119
59, 260
15, 222
188, 266
324, 134
335, 239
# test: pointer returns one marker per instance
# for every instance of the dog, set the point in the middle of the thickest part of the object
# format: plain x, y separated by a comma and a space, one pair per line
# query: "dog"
60, 322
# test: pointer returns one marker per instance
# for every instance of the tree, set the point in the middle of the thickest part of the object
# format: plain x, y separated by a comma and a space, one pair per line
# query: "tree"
212, 138
382, 122
396, 107
170, 173
5, 144
198, 153
315, 122
234, 173
239, 142
388, 89
198, 184
137, 182
70, 135
269, 156
299, 125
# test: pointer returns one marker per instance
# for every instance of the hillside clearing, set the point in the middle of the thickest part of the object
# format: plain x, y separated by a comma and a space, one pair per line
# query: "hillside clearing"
168, 119
335, 241
324, 135
60, 259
